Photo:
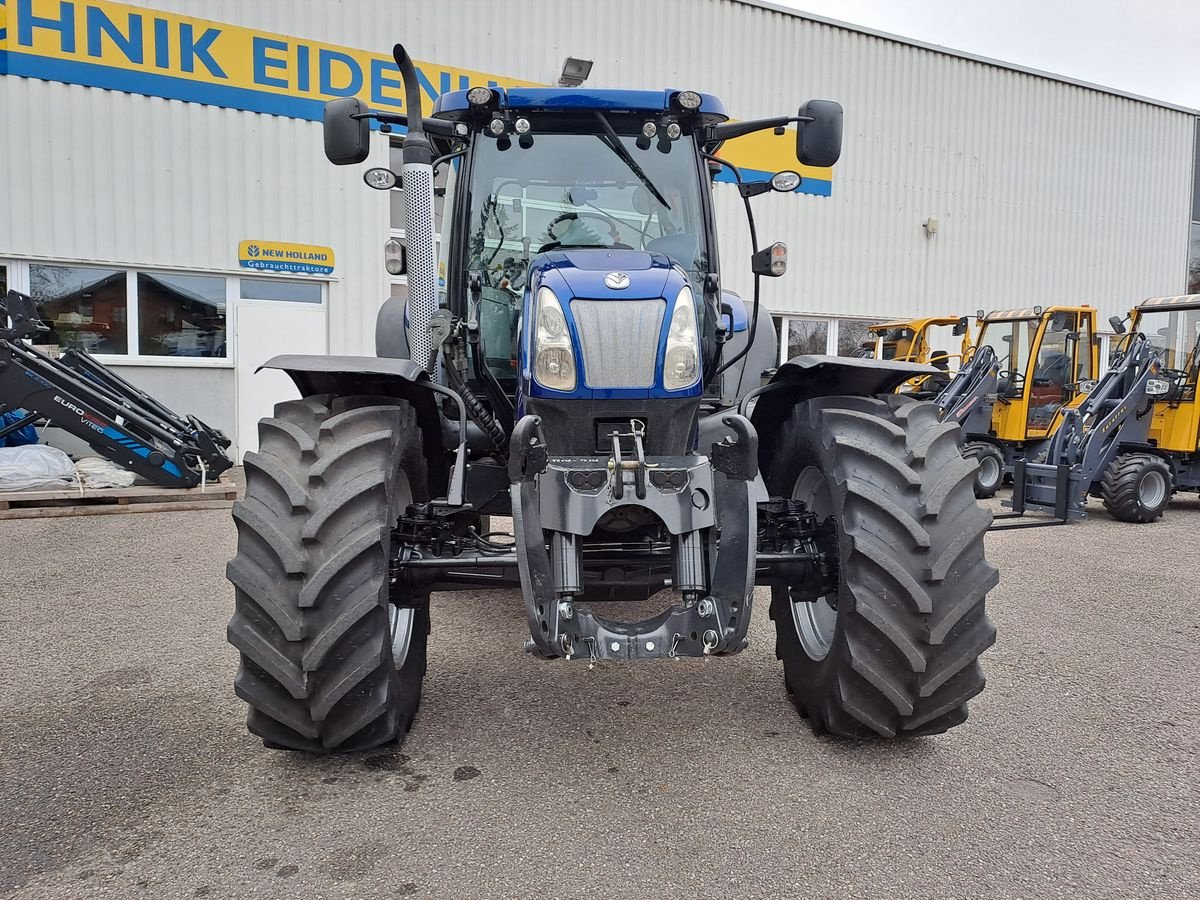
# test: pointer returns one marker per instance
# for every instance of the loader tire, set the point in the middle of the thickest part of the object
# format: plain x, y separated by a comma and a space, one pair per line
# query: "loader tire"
327, 665
991, 467
895, 652
1136, 487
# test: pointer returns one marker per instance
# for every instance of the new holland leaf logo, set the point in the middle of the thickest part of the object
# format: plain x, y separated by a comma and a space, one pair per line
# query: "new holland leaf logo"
252, 250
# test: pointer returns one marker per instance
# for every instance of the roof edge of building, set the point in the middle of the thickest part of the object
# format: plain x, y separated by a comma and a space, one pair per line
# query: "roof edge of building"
963, 54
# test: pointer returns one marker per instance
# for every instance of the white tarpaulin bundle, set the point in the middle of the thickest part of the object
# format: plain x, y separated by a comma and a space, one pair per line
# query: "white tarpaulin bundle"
34, 466
95, 472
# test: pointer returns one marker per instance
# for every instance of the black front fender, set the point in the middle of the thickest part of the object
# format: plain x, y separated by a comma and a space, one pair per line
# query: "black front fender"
805, 377
372, 376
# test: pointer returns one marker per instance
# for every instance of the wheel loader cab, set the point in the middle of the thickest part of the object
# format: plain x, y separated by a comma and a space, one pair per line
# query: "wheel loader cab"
1047, 357
1172, 325
913, 341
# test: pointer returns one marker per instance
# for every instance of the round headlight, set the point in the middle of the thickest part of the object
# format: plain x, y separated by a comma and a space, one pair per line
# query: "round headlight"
521, 126
496, 127
649, 129
673, 131
786, 181
689, 99
479, 96
380, 179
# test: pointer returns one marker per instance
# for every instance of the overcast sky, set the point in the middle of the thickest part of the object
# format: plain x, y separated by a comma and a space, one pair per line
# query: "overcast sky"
1148, 48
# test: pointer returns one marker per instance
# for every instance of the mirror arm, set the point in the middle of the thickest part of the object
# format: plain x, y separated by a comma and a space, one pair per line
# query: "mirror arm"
433, 126
730, 130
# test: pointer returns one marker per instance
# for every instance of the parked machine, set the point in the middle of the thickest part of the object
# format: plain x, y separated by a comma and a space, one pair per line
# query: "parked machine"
1048, 358
84, 398
911, 341
567, 359
1100, 448
1164, 461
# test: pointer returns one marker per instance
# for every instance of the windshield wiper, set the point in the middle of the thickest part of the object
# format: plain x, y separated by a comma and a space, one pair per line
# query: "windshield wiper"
614, 143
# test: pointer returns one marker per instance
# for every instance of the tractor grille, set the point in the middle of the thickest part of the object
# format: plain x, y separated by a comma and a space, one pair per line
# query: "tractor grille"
619, 339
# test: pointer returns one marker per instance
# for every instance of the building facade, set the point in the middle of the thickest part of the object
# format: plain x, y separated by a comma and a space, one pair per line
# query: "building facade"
169, 203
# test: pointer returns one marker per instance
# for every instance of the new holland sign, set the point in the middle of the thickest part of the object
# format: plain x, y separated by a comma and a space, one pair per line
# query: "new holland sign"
129, 48
273, 256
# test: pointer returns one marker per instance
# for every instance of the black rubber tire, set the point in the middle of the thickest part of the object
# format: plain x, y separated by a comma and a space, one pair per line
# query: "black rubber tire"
311, 618
980, 451
1121, 487
910, 620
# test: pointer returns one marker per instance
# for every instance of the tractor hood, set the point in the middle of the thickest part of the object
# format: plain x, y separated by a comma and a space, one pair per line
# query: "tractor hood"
585, 271
617, 306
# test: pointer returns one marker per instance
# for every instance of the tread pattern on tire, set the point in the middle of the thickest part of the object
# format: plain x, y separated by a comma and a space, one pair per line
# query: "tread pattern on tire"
912, 623
311, 617
1119, 487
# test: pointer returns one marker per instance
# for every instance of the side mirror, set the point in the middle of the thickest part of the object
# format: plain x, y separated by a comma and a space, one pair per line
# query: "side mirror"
347, 139
1117, 323
960, 327
819, 142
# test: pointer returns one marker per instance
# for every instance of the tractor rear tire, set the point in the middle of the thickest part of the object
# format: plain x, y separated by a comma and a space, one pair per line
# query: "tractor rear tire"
326, 665
991, 467
1136, 487
895, 652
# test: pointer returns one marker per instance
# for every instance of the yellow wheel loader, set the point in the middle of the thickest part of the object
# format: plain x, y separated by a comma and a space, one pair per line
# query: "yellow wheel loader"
1048, 359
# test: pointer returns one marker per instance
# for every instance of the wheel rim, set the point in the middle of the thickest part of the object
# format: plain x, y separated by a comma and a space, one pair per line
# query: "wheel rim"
402, 628
815, 620
1152, 489
989, 470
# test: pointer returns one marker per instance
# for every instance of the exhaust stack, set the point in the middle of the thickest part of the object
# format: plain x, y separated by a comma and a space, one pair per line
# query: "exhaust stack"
417, 173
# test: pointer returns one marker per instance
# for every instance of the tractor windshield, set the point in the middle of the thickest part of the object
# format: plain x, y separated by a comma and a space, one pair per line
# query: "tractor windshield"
1011, 339
1174, 333
576, 190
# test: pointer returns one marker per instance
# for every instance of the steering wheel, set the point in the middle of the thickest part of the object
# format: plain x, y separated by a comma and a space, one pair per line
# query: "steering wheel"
612, 222
1014, 379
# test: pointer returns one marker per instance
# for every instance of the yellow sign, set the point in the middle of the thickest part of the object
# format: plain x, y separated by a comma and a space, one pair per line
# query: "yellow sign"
275, 256
122, 47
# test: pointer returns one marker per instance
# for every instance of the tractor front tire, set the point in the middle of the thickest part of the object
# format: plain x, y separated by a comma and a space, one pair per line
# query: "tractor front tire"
1136, 487
895, 651
991, 467
327, 665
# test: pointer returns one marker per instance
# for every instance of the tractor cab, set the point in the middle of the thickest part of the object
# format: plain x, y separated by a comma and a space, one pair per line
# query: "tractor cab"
592, 210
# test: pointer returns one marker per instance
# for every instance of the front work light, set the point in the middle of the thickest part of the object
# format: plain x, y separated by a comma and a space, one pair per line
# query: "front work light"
380, 179
786, 181
553, 361
688, 100
681, 363
1157, 387
480, 96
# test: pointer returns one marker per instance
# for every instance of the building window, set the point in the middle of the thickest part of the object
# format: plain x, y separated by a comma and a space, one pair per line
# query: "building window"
853, 337
1193, 286
85, 307
285, 289
807, 336
181, 315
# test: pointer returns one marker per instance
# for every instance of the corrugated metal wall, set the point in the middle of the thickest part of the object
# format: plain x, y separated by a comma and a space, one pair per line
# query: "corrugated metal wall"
1043, 191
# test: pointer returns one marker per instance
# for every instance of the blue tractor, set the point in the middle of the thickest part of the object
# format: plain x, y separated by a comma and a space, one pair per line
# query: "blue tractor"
568, 358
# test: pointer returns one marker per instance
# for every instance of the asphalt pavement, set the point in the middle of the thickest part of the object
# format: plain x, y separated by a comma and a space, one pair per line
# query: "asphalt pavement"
126, 770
